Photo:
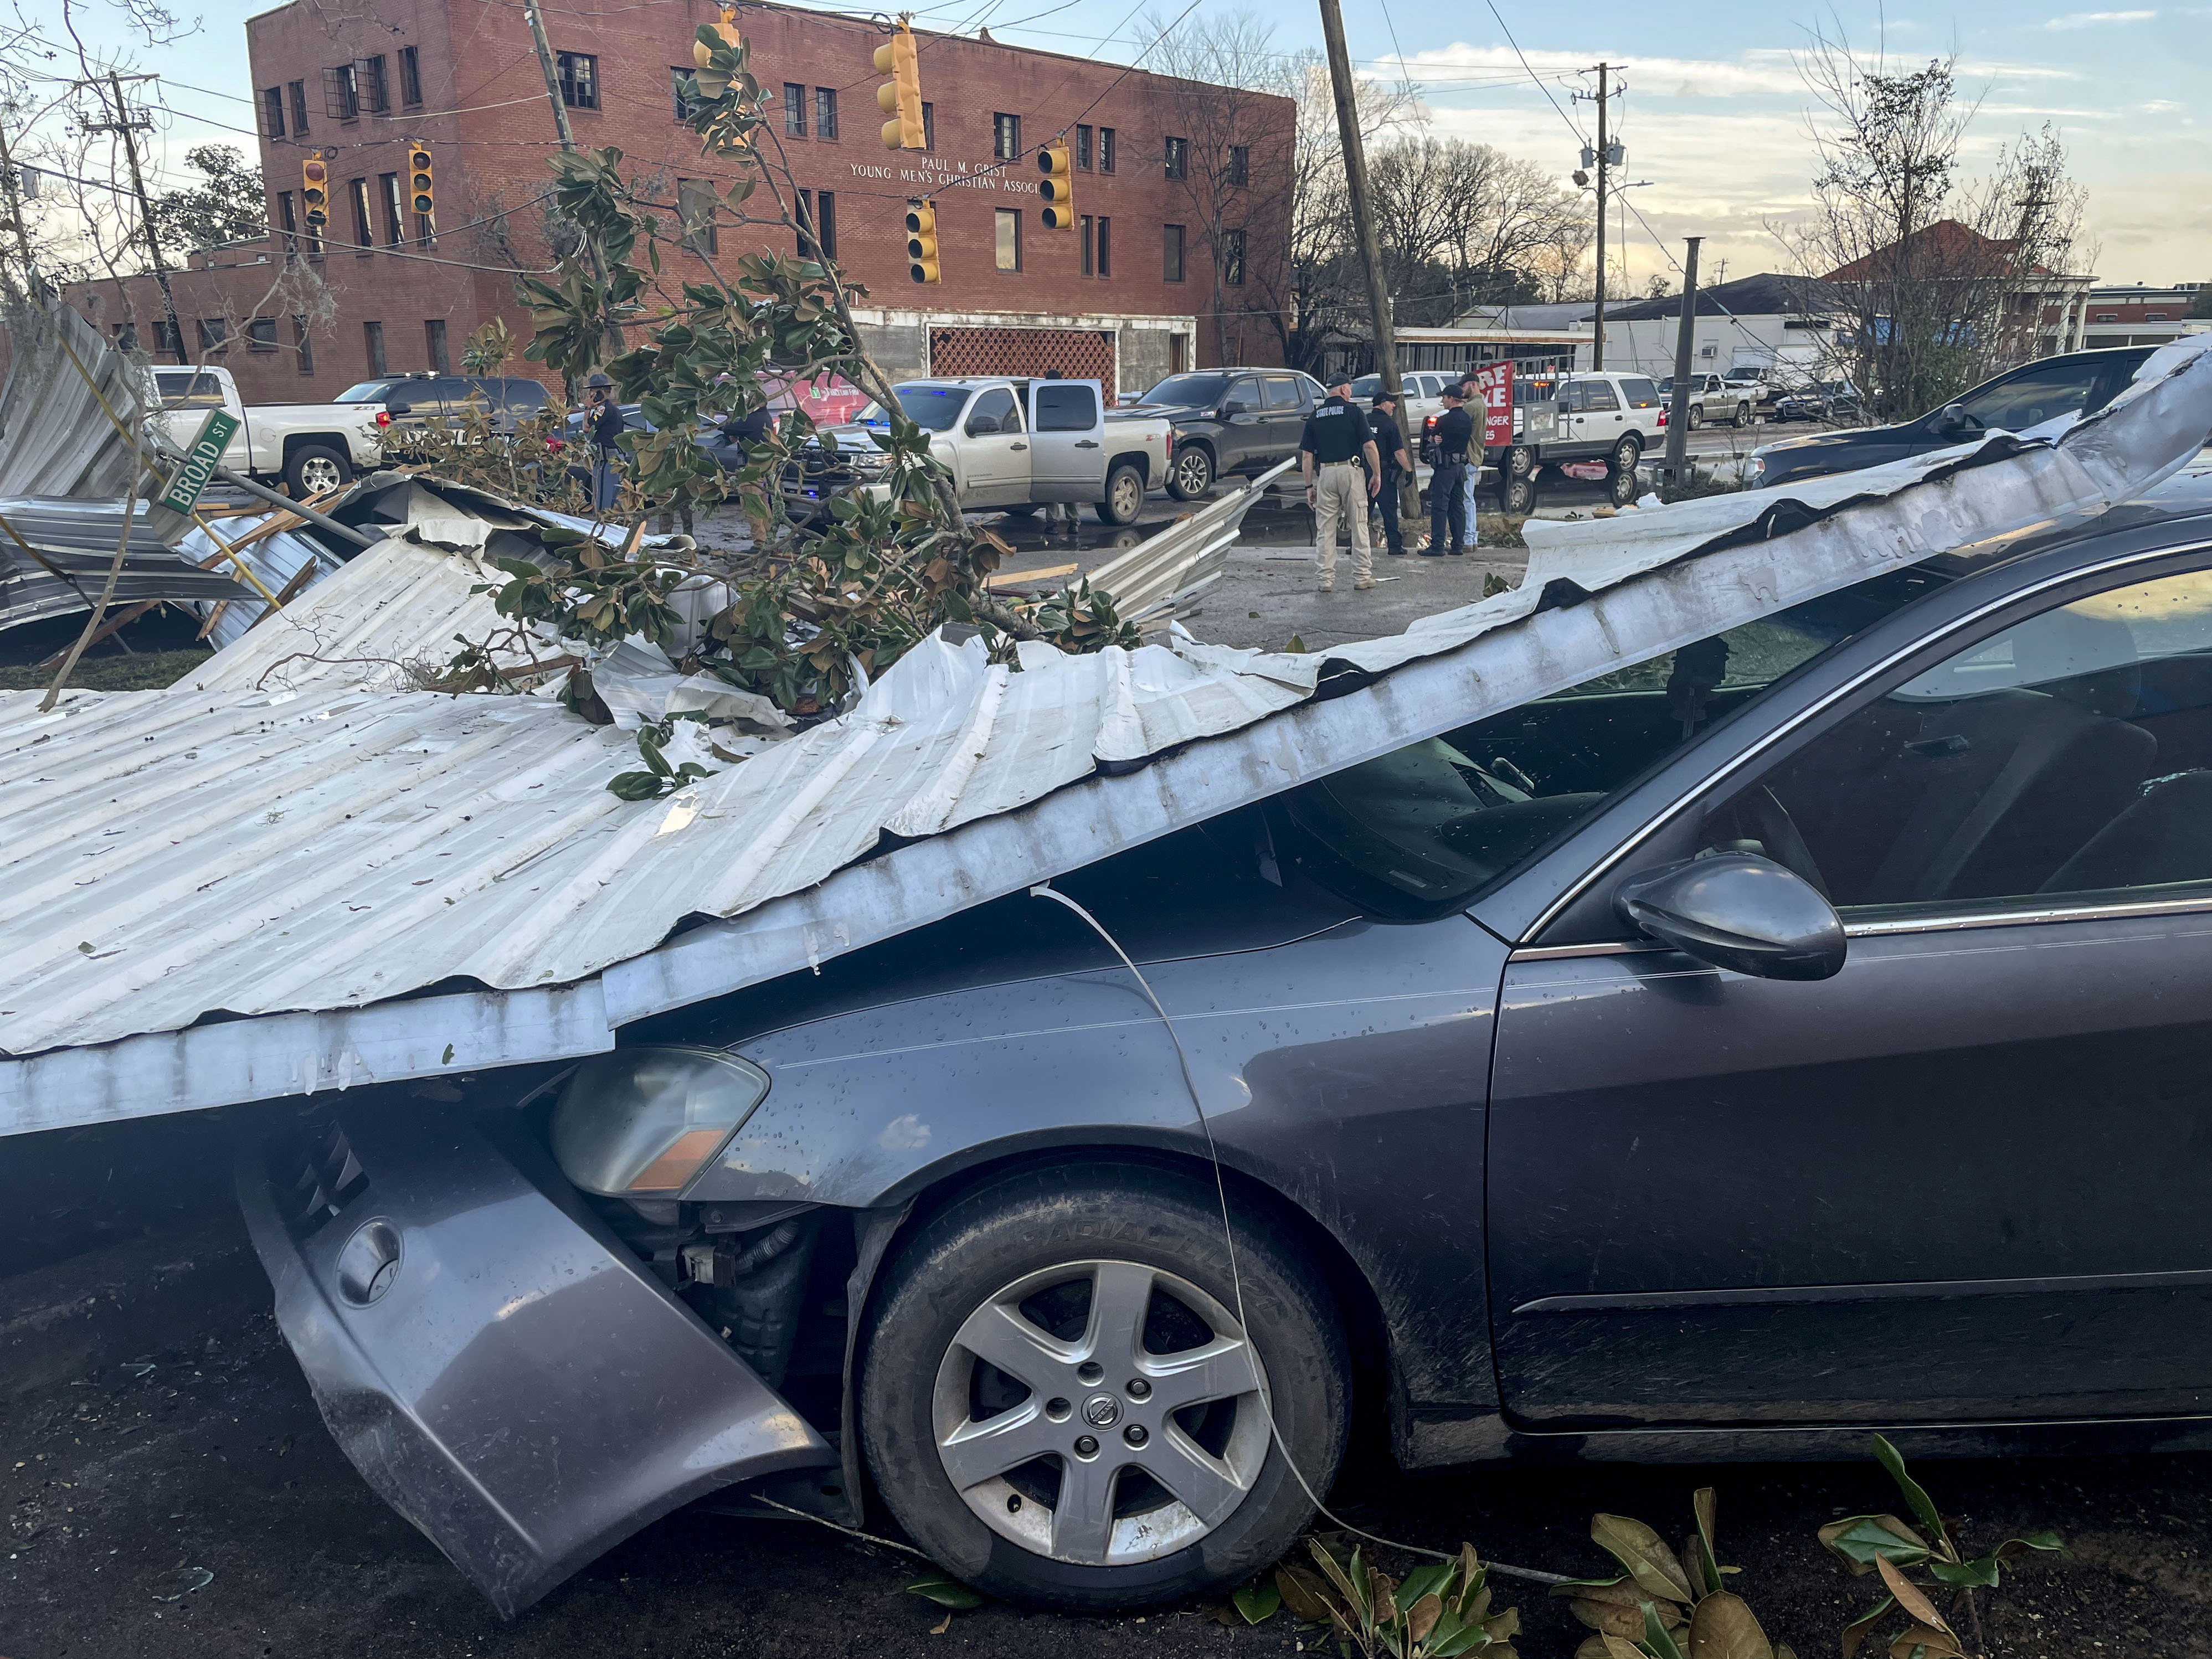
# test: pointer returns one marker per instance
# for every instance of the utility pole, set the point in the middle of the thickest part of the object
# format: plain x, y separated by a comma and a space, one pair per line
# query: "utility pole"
544, 49
1678, 418
1598, 330
1355, 178
123, 127
15, 199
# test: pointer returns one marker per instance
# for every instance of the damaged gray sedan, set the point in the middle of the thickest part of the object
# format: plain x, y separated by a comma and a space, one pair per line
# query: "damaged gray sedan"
1795, 1030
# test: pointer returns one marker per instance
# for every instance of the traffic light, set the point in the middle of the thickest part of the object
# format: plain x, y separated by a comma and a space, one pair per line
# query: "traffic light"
419, 188
922, 242
1058, 188
900, 97
315, 191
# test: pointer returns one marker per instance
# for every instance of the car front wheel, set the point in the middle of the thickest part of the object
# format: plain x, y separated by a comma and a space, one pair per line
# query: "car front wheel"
1697, 417
1742, 415
1125, 495
1626, 453
315, 470
1061, 1398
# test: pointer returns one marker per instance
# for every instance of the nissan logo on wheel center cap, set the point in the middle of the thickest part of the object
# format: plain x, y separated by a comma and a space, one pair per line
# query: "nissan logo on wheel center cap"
1102, 1410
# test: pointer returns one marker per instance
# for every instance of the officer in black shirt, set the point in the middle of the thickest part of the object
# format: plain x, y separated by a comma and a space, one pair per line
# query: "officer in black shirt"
1448, 484
1335, 443
1390, 445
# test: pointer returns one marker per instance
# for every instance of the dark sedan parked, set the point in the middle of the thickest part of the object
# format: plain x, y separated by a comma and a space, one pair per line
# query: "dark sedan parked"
2079, 383
1796, 1033
1228, 420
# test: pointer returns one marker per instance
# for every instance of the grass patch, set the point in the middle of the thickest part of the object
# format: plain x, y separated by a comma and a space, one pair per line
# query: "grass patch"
143, 670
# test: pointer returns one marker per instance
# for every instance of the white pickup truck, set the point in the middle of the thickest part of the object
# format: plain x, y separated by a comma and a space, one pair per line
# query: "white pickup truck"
311, 447
1010, 443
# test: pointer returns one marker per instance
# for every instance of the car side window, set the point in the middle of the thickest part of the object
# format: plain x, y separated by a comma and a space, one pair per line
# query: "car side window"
1642, 393
189, 390
521, 395
997, 404
1282, 391
2068, 755
1598, 395
1063, 408
1245, 392
1571, 399
2031, 397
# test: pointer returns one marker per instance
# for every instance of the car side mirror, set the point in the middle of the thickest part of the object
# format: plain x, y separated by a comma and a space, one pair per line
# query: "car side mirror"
402, 409
1738, 911
979, 425
1950, 418
1235, 406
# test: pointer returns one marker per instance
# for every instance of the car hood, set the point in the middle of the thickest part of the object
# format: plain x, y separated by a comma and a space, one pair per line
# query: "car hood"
1856, 438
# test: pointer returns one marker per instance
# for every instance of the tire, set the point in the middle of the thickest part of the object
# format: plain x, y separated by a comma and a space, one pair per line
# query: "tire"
1626, 454
1038, 1245
1620, 487
1125, 495
1697, 416
1026, 510
1516, 496
1743, 416
1191, 474
311, 469
1520, 462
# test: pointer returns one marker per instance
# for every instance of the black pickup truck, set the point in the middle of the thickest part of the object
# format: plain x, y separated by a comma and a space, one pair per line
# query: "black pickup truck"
1228, 420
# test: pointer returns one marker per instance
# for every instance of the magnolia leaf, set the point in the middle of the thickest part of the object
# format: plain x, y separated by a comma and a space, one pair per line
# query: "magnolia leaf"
1723, 1627
1431, 1580
1858, 1630
1507, 1623
1910, 1596
1861, 1539
1980, 1574
1421, 1617
945, 1592
1923, 1642
1656, 1641
1645, 1553
1609, 1619
1381, 1596
1334, 1571
1917, 1500
1615, 1648
2013, 1548
1303, 1594
1257, 1602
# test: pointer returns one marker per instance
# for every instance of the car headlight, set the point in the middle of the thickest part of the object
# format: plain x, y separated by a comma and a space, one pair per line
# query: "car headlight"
641, 1122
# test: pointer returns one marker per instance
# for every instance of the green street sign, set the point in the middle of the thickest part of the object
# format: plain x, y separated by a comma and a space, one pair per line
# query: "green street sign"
200, 460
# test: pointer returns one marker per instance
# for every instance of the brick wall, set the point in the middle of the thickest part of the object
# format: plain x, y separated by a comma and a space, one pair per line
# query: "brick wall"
485, 114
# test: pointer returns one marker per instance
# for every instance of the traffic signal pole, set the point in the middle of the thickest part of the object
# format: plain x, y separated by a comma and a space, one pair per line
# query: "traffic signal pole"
544, 49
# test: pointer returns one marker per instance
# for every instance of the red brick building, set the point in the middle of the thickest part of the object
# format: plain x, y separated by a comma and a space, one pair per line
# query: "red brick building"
1128, 299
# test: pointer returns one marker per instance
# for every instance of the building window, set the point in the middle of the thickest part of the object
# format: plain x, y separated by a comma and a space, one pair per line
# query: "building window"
1088, 229
1083, 148
272, 112
1240, 166
1009, 239
298, 91
1178, 156
410, 77
341, 99
261, 334
1232, 258
2153, 316
694, 207
580, 80
2108, 316
679, 76
1105, 247
426, 229
794, 110
1007, 136
369, 84
825, 112
434, 336
825, 223
213, 332
167, 338
359, 188
1171, 253
395, 211
301, 344
288, 221
372, 336
929, 127
1105, 149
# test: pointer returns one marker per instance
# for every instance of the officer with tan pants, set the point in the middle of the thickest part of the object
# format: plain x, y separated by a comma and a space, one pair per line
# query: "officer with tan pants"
1336, 438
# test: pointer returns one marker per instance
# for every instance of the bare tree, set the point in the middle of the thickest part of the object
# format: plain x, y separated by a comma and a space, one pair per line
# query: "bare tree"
1941, 279
1463, 224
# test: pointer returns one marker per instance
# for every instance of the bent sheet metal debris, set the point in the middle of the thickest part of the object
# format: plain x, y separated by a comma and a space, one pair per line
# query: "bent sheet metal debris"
296, 859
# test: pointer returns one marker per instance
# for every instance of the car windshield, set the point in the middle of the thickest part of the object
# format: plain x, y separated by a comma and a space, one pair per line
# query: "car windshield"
1370, 385
368, 391
932, 408
1436, 823
1192, 389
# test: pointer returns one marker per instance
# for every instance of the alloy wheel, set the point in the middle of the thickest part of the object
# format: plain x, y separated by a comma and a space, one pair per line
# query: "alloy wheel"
1127, 495
1100, 1413
320, 474
1193, 473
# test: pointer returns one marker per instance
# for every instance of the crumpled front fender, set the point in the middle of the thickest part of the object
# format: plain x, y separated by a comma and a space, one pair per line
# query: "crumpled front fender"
501, 1369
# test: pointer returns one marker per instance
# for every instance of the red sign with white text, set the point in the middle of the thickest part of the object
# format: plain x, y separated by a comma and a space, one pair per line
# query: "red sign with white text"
1495, 382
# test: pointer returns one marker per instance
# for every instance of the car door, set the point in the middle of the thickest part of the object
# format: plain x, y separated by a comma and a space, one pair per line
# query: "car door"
994, 451
1605, 415
1066, 429
1963, 1179
1287, 405
1244, 425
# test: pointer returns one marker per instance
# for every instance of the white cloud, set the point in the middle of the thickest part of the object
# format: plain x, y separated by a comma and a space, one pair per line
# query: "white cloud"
2089, 19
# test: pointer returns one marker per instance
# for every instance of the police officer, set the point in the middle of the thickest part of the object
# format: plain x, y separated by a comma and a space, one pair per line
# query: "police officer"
603, 420
1447, 513
1390, 444
1335, 443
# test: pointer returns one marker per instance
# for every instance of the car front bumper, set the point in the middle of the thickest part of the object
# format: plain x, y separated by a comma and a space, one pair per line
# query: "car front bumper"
498, 1367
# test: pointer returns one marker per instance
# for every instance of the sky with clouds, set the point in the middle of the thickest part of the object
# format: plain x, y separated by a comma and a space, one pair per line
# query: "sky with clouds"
1714, 117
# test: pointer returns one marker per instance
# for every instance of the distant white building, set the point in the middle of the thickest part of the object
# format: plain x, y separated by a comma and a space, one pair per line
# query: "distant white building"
1766, 321
2130, 314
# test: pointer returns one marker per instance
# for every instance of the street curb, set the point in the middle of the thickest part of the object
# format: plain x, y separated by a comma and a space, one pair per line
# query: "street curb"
74, 1318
